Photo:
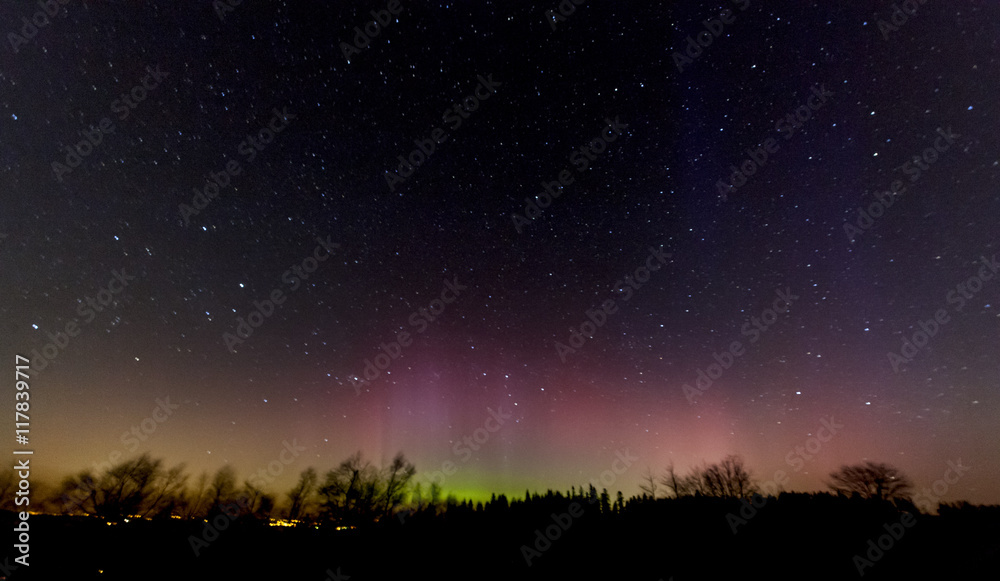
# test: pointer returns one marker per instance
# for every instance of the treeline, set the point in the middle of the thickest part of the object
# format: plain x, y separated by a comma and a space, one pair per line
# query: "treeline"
357, 493
711, 522
352, 494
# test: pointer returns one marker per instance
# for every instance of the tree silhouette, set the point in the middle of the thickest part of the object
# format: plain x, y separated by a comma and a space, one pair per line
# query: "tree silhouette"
871, 480
194, 502
397, 478
222, 491
434, 504
167, 492
729, 479
259, 504
674, 483
357, 493
693, 484
78, 493
300, 495
648, 483
348, 491
137, 487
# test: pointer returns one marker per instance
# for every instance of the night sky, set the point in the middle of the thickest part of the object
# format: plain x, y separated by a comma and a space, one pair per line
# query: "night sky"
316, 207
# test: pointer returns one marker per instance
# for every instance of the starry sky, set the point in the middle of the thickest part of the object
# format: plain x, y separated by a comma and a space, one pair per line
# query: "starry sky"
384, 196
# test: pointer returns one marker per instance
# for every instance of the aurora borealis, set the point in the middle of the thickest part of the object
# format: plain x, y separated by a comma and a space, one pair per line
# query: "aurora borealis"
254, 258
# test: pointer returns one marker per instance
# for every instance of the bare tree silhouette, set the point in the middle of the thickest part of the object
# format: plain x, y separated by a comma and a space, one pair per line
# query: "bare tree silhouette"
349, 491
398, 476
874, 480
222, 490
137, 487
259, 504
167, 492
301, 494
674, 483
729, 478
195, 502
357, 493
693, 484
648, 483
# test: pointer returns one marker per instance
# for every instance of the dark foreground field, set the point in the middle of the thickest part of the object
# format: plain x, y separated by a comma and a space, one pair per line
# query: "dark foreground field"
794, 537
